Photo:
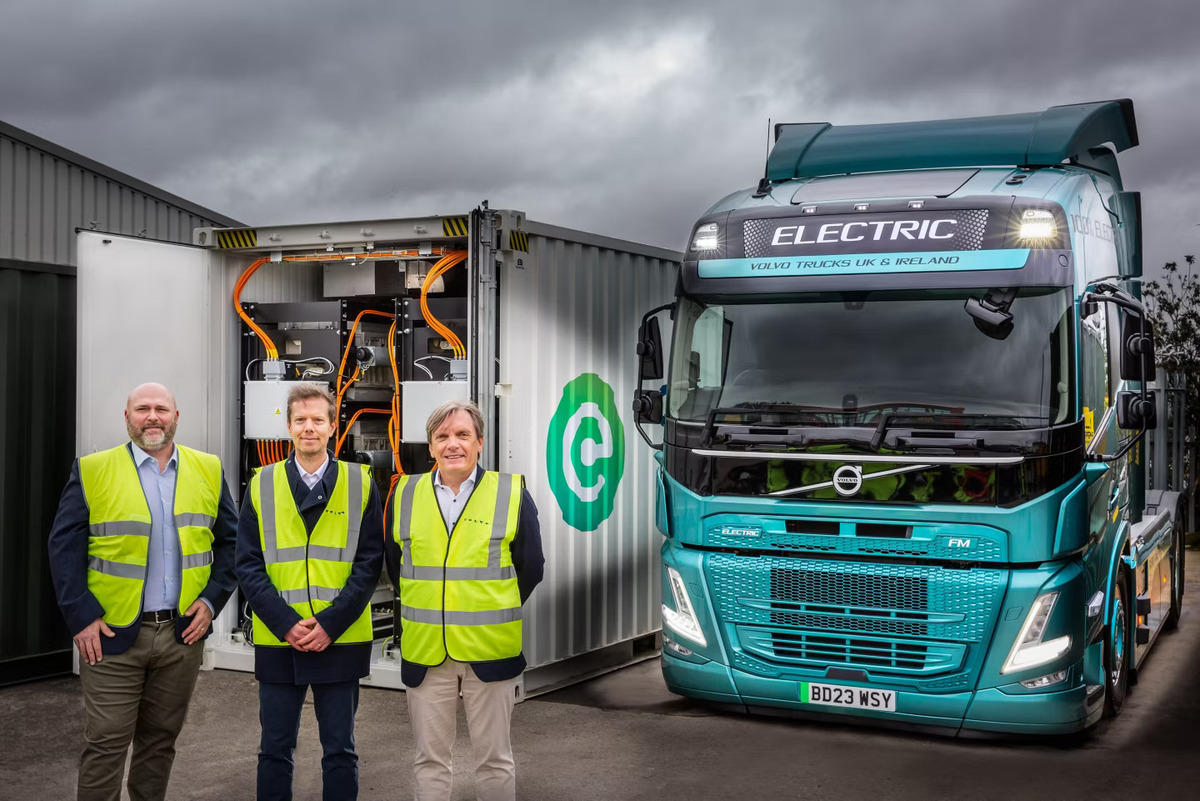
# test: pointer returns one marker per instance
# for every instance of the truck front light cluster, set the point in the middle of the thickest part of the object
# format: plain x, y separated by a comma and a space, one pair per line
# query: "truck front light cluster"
707, 237
1029, 650
1038, 224
682, 619
1049, 680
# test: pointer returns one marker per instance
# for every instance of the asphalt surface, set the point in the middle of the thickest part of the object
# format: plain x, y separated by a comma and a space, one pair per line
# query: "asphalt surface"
623, 736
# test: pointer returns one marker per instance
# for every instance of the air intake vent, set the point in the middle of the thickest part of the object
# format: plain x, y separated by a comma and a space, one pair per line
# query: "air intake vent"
883, 530
812, 527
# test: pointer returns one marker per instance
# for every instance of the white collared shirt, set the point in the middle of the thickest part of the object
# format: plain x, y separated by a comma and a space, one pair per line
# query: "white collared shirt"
450, 503
314, 478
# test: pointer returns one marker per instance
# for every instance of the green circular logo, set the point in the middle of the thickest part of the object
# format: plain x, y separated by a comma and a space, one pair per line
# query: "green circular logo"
585, 452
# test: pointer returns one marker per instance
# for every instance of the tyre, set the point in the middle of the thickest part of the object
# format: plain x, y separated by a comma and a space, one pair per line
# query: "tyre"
1118, 647
1177, 572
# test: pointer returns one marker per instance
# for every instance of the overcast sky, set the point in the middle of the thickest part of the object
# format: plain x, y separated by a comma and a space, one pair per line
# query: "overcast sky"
626, 119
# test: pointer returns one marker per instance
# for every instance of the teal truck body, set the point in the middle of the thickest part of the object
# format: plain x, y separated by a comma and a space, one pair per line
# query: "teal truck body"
901, 421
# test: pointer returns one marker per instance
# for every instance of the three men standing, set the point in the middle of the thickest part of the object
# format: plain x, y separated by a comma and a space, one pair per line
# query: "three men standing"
309, 554
464, 550
141, 554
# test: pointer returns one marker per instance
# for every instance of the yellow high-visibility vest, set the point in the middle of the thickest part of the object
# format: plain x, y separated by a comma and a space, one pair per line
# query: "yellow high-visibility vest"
310, 571
119, 528
458, 592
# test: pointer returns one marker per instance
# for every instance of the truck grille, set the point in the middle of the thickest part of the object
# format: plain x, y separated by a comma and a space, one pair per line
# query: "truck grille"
908, 618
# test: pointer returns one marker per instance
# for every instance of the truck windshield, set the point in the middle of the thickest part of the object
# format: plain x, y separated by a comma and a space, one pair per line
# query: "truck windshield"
911, 352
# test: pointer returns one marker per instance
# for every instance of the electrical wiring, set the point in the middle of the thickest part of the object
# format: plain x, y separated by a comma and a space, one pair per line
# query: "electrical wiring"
268, 344
307, 372
338, 390
443, 264
417, 363
350, 423
394, 422
272, 352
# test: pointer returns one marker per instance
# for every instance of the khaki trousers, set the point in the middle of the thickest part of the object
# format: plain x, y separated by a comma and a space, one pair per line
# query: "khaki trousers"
140, 696
433, 709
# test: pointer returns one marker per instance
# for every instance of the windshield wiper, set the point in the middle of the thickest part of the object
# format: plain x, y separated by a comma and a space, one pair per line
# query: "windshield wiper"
753, 407
953, 422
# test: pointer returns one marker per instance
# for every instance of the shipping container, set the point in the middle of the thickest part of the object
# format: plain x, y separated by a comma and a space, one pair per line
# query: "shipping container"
533, 322
46, 193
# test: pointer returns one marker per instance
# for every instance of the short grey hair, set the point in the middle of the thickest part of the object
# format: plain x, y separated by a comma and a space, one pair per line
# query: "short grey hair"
447, 410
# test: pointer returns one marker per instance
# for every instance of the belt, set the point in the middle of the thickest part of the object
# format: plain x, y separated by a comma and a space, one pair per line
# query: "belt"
159, 616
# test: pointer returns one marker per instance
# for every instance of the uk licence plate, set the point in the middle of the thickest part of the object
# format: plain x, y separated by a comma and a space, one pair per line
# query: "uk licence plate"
847, 697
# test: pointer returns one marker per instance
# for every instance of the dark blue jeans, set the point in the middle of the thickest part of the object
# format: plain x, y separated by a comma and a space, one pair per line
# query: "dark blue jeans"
279, 708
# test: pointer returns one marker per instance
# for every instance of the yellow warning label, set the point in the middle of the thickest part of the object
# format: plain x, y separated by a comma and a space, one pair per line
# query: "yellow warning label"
238, 238
278, 410
1089, 424
518, 240
454, 226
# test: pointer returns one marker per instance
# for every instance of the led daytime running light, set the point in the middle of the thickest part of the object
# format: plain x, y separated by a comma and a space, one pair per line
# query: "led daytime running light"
682, 619
1029, 650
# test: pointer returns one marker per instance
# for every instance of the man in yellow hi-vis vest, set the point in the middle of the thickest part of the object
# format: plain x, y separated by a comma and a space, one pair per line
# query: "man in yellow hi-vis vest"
141, 554
465, 551
309, 554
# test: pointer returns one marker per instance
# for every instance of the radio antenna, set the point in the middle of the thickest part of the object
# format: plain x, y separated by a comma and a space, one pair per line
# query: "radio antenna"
764, 183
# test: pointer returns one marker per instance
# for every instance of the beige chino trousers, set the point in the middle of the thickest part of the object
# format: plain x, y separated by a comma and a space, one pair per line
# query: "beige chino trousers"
433, 709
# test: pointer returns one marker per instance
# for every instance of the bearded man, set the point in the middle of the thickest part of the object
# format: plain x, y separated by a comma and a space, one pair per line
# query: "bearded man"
142, 554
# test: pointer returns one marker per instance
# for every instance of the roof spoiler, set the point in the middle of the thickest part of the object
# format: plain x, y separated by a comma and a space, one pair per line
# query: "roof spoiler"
805, 150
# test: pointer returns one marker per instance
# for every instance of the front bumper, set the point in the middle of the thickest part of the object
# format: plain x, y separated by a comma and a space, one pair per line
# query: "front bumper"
1054, 712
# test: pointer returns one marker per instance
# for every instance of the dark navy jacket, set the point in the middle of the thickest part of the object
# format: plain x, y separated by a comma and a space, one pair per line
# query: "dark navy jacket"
526, 549
285, 664
68, 543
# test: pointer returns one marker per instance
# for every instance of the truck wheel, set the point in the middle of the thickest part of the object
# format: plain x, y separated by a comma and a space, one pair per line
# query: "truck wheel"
1177, 574
1118, 650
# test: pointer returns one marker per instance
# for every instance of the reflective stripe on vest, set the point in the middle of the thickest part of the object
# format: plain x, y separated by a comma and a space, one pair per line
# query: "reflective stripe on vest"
458, 592
119, 525
310, 571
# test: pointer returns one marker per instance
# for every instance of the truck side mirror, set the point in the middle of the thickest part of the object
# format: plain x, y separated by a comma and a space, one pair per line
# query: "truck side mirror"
1137, 348
648, 406
649, 350
1135, 411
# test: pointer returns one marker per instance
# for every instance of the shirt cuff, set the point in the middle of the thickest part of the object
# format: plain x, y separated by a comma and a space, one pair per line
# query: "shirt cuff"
211, 610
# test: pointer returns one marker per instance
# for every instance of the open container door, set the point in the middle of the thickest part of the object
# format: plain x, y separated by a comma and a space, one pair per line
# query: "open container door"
155, 311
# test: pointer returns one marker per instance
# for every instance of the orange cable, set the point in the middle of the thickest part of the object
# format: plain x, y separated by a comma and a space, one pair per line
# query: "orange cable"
444, 264
272, 352
350, 423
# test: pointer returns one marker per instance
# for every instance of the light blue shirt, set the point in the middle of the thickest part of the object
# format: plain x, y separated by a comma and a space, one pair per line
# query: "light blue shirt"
162, 559
450, 503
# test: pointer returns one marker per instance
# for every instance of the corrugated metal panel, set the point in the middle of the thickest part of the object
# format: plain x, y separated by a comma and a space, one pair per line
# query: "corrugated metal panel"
46, 192
573, 310
37, 446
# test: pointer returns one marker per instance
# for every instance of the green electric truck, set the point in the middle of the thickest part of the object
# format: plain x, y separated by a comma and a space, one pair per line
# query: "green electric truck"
901, 417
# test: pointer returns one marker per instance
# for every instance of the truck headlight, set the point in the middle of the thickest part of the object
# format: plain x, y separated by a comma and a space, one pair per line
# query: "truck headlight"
1038, 224
707, 237
682, 619
1029, 650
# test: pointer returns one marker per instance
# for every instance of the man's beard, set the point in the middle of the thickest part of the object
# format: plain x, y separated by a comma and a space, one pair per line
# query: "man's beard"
155, 439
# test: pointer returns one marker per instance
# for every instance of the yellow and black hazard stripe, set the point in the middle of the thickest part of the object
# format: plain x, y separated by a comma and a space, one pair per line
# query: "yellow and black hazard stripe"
454, 226
237, 238
518, 240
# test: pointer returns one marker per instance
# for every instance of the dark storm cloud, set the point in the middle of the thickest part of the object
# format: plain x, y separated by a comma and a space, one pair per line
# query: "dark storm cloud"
624, 118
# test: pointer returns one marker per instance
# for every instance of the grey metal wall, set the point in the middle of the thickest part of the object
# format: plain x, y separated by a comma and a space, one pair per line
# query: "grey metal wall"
573, 309
46, 193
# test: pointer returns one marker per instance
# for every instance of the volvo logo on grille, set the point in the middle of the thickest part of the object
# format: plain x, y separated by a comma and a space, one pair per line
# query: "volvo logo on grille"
847, 480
